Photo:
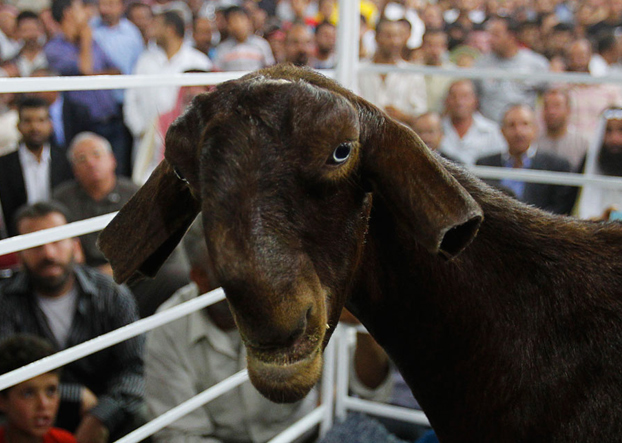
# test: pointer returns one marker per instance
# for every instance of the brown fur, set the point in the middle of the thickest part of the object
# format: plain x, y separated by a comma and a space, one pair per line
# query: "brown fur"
518, 338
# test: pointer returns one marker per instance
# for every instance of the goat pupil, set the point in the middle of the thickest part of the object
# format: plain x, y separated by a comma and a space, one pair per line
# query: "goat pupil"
342, 153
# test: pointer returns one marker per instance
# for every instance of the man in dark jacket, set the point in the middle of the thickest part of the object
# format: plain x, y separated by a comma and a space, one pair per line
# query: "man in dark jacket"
28, 174
520, 131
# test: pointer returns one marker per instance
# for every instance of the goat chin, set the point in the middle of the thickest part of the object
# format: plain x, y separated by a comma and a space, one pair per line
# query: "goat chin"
287, 382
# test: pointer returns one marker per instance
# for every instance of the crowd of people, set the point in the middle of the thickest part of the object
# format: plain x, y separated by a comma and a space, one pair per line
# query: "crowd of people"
78, 154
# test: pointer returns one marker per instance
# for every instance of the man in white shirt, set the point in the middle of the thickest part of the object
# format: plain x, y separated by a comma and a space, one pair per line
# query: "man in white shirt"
170, 56
468, 134
402, 95
28, 174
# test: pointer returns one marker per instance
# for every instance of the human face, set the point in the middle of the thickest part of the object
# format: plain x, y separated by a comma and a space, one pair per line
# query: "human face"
35, 126
92, 163
325, 39
519, 129
49, 266
390, 39
142, 17
461, 100
31, 406
434, 48
110, 11
202, 34
579, 56
613, 136
298, 45
239, 26
29, 31
556, 110
429, 129
499, 37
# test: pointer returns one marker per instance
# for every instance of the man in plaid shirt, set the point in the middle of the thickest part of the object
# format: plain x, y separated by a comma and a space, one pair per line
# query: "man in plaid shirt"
66, 303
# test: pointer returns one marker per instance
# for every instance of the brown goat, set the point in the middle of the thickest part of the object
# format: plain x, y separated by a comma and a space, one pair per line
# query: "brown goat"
518, 338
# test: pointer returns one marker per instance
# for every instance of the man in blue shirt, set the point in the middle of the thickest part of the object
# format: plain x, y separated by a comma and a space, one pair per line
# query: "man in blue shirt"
73, 52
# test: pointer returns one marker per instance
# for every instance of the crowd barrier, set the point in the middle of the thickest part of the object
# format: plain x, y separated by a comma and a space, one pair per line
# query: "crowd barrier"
335, 402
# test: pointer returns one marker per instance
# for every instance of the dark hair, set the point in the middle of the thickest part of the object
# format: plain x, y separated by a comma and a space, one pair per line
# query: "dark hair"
563, 27
234, 10
22, 349
39, 210
174, 19
136, 4
322, 24
511, 25
383, 20
26, 15
31, 102
605, 42
58, 9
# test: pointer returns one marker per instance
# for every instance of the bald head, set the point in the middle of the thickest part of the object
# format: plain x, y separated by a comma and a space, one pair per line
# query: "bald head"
519, 129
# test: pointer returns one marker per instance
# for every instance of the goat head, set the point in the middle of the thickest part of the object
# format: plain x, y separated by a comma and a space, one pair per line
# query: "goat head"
283, 163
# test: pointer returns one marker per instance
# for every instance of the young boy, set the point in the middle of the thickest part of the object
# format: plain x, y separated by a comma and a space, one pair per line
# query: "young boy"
29, 407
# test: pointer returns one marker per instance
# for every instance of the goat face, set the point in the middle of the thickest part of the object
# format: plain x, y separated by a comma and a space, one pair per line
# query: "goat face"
281, 164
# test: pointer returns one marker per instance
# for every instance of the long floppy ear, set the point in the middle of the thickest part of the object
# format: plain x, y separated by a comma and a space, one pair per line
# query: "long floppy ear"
429, 202
147, 229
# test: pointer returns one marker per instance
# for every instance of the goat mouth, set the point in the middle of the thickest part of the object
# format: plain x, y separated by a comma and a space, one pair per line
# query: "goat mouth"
282, 378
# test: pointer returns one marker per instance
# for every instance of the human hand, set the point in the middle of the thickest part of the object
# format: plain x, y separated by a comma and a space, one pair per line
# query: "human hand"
91, 430
88, 401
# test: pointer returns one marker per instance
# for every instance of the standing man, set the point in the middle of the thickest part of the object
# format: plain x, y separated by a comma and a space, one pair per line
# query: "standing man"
73, 52
101, 395
118, 37
401, 95
170, 55
559, 137
28, 174
506, 53
520, 130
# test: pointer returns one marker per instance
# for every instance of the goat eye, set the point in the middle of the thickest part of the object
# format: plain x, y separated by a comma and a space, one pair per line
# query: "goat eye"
341, 154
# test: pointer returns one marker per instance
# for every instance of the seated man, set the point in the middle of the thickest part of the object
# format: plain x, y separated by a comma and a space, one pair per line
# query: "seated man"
30, 407
101, 395
191, 354
97, 190
520, 130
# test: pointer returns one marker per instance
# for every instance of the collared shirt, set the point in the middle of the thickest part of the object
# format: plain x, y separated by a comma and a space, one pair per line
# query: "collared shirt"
191, 354
81, 206
26, 66
405, 91
483, 138
518, 187
123, 42
63, 57
113, 374
254, 53
36, 173
143, 105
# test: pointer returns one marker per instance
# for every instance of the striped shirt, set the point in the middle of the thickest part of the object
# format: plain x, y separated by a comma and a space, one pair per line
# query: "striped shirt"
115, 374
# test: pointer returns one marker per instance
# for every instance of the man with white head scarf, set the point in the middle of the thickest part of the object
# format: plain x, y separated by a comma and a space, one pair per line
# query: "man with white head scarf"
604, 158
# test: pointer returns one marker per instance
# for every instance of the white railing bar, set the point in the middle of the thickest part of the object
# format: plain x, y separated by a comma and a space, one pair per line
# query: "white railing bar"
111, 338
328, 387
384, 410
301, 426
185, 408
91, 82
342, 335
497, 74
549, 177
38, 238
